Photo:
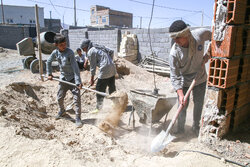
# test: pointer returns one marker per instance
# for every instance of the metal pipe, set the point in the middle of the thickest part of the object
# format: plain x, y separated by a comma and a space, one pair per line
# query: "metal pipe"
2, 12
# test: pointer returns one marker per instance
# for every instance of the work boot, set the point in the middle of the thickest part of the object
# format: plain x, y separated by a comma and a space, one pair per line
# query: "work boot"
78, 122
60, 114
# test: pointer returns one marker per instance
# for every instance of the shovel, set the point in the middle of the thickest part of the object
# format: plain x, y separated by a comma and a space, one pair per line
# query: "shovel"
164, 138
69, 107
72, 84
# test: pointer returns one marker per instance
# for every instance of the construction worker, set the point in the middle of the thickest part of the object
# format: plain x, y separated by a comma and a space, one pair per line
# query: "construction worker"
187, 62
100, 56
69, 72
81, 59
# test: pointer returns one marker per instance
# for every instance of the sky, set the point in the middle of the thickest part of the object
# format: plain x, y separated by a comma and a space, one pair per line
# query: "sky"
164, 13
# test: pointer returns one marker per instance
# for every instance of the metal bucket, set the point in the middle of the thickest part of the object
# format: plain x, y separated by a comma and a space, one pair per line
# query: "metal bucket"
151, 108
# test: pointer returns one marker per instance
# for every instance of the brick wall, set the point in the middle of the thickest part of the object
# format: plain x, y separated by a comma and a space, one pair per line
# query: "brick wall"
229, 66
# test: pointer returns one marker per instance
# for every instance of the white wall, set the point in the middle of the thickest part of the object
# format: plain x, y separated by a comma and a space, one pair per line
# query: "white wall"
21, 15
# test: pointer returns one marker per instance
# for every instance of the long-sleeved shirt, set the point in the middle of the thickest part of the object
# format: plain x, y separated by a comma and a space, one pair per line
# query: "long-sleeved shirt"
183, 67
67, 63
99, 58
80, 58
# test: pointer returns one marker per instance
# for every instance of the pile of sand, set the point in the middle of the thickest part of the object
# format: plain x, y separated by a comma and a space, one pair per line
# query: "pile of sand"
30, 135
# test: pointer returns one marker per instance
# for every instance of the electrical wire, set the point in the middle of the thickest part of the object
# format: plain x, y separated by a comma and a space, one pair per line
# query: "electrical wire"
171, 8
150, 44
183, 10
211, 155
189, 21
145, 17
55, 8
207, 16
58, 5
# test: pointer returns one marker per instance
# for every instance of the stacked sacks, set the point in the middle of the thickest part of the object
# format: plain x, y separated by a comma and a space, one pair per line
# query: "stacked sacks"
129, 47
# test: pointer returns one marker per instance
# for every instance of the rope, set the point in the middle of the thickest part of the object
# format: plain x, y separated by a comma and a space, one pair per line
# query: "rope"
150, 44
211, 155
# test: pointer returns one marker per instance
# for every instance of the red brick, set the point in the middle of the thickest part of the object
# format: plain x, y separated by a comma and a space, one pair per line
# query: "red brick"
236, 11
247, 15
246, 41
223, 73
248, 94
241, 95
231, 45
223, 98
248, 73
228, 99
244, 69
240, 116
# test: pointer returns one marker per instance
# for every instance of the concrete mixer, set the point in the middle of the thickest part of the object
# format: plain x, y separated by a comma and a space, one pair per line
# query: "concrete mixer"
26, 47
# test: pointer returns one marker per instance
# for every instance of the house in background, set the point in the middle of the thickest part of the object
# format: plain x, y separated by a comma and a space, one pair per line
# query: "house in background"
24, 15
101, 16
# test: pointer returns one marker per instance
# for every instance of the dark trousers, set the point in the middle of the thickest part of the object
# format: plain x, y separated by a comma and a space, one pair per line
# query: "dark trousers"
80, 65
198, 98
101, 86
62, 90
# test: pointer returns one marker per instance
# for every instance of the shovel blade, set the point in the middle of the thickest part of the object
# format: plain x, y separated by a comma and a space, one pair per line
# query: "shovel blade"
160, 141
168, 139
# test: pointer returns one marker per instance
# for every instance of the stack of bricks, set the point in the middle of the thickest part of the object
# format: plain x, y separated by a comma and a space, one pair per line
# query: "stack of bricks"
229, 70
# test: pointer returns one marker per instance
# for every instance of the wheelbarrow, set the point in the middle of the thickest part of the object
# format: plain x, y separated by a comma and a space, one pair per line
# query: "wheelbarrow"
150, 108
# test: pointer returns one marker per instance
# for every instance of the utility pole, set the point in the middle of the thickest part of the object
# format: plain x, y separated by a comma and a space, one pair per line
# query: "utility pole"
50, 17
2, 12
39, 43
75, 12
140, 22
202, 16
63, 20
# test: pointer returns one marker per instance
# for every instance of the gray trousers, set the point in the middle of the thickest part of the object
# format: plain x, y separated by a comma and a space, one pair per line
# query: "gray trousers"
198, 98
62, 90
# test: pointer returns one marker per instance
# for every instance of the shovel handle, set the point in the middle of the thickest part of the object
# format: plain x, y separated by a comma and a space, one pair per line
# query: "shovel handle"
69, 83
181, 106
88, 87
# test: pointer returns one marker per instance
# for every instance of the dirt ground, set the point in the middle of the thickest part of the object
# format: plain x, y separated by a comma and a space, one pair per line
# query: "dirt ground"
30, 135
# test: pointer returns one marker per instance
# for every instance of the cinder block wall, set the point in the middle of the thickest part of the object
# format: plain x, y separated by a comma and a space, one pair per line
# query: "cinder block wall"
75, 36
108, 38
161, 43
10, 35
